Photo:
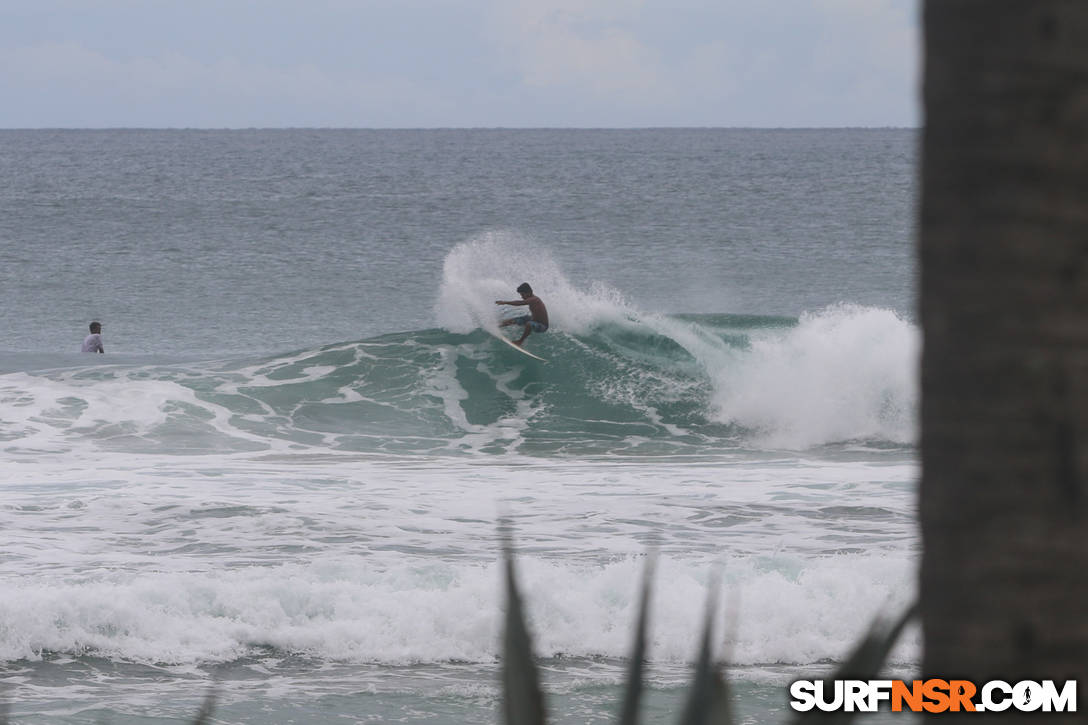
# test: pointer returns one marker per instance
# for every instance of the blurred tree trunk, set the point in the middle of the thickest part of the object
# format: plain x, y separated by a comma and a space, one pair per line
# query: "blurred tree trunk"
1004, 308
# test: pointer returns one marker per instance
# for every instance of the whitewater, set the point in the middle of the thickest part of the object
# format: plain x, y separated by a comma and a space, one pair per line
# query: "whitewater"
341, 503
311, 528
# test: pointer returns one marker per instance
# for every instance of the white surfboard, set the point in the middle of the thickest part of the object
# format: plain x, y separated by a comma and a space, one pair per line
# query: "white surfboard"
519, 348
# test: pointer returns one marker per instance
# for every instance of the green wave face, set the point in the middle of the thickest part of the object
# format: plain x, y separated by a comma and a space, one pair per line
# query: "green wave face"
430, 391
649, 386
625, 384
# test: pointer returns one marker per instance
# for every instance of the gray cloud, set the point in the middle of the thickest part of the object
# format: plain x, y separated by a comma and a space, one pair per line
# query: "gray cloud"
410, 63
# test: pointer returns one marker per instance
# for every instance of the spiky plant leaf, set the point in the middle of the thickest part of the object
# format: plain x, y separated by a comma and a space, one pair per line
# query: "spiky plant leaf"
863, 663
636, 664
708, 699
204, 716
523, 701
868, 657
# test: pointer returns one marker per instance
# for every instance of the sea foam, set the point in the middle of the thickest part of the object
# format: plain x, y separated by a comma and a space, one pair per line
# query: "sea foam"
844, 373
418, 610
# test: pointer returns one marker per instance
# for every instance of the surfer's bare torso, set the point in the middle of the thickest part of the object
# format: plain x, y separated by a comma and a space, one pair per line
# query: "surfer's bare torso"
535, 321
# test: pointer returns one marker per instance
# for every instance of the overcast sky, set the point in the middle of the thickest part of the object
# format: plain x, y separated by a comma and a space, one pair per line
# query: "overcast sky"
458, 63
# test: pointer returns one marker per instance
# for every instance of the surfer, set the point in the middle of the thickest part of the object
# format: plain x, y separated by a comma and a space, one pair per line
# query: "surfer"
535, 321
93, 342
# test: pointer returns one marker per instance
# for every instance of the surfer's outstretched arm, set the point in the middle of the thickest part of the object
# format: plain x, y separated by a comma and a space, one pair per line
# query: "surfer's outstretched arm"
505, 323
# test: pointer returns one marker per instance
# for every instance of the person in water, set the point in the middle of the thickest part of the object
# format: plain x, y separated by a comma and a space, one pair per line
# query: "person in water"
535, 321
93, 342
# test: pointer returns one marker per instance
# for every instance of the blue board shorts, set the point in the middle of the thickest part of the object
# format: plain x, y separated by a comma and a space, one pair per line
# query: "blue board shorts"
533, 324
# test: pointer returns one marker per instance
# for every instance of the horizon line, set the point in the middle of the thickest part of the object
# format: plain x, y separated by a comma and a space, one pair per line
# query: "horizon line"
460, 128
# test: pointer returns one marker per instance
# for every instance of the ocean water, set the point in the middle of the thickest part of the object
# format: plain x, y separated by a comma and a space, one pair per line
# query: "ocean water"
283, 480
